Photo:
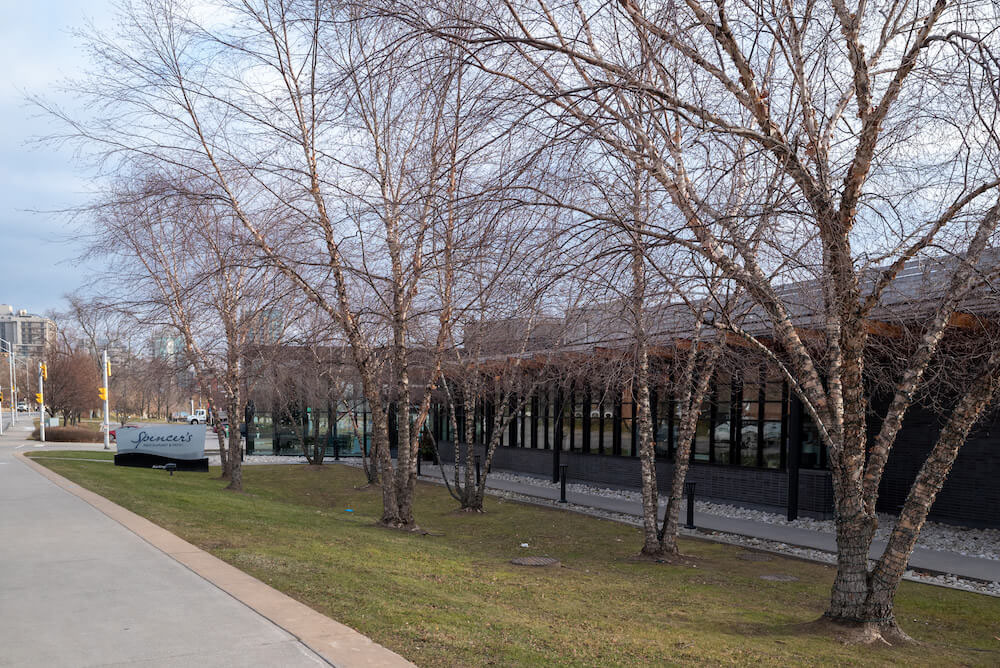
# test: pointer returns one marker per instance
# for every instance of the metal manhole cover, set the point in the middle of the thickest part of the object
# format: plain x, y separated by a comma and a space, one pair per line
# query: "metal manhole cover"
779, 578
535, 561
753, 556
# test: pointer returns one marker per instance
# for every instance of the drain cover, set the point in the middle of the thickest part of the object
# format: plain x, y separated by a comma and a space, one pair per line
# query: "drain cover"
535, 561
753, 556
779, 578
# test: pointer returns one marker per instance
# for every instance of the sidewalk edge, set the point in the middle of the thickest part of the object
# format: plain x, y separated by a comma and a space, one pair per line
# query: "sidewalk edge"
337, 643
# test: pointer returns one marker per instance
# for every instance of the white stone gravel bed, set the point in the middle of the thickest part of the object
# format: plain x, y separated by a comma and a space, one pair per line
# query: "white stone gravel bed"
983, 543
214, 460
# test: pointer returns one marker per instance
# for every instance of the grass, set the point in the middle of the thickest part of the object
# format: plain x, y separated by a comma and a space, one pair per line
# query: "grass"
451, 598
108, 455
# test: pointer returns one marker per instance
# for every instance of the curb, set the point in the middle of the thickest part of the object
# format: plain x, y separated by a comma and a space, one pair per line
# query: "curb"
338, 644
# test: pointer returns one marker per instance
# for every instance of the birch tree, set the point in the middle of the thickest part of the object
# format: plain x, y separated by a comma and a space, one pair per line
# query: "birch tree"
182, 264
881, 123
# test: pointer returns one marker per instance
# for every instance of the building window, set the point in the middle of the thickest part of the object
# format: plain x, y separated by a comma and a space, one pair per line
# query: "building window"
722, 425
703, 434
627, 425
662, 409
749, 423
773, 417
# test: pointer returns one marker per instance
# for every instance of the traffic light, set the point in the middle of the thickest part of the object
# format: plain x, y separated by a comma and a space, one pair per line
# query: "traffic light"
45, 371
102, 393
107, 368
38, 398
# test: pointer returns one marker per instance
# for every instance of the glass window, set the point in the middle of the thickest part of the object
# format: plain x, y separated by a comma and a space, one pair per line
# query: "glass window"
604, 424
749, 424
723, 420
533, 422
773, 415
522, 422
811, 445
578, 414
701, 435
549, 415
568, 426
661, 428
627, 422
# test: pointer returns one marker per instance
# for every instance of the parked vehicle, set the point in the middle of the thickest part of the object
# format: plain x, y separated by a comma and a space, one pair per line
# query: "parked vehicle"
114, 432
200, 416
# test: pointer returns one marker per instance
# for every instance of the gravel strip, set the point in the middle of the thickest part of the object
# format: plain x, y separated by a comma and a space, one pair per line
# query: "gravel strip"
214, 460
982, 543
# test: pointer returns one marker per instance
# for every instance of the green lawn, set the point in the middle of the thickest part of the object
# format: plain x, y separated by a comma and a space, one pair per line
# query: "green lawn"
451, 598
108, 455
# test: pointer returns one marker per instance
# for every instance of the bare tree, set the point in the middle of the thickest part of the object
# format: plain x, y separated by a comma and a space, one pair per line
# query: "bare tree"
72, 385
360, 210
184, 266
880, 124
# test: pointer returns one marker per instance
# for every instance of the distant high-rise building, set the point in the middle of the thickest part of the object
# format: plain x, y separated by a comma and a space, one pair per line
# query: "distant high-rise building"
27, 333
266, 327
169, 347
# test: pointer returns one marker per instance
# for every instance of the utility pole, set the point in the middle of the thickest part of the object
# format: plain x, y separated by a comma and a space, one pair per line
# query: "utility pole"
104, 395
11, 386
13, 383
42, 373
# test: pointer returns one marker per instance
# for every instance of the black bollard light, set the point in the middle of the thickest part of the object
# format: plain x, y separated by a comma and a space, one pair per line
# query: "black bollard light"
689, 491
477, 470
562, 482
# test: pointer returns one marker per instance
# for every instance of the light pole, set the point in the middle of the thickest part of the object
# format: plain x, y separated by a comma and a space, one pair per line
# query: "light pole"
13, 391
41, 400
13, 364
104, 396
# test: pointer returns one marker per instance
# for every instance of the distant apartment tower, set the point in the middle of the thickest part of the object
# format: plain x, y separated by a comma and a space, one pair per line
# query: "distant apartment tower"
266, 326
27, 333
169, 347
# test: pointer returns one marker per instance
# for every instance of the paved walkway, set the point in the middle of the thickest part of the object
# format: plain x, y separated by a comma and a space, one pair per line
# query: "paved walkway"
79, 588
930, 560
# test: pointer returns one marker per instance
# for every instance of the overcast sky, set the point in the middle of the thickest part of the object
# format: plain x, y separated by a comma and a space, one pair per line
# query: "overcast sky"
38, 51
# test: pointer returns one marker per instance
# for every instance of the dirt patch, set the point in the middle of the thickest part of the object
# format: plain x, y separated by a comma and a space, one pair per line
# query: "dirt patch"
667, 559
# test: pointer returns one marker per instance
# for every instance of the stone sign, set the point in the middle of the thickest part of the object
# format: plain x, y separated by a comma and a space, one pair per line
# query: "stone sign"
183, 445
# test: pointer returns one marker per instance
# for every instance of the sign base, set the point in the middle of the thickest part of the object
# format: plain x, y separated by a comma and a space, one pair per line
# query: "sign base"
147, 461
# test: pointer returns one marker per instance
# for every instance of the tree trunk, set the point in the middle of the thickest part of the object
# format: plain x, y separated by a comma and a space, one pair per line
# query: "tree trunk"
223, 450
235, 450
867, 598
647, 448
696, 389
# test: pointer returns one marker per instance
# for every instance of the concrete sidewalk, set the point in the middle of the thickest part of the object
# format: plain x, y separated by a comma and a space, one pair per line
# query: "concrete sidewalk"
84, 582
930, 560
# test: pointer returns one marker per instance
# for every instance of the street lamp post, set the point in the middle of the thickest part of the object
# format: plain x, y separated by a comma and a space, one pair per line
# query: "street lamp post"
13, 384
41, 400
13, 390
107, 422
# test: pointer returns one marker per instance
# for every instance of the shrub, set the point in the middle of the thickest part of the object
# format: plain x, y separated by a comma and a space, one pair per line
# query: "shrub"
70, 435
